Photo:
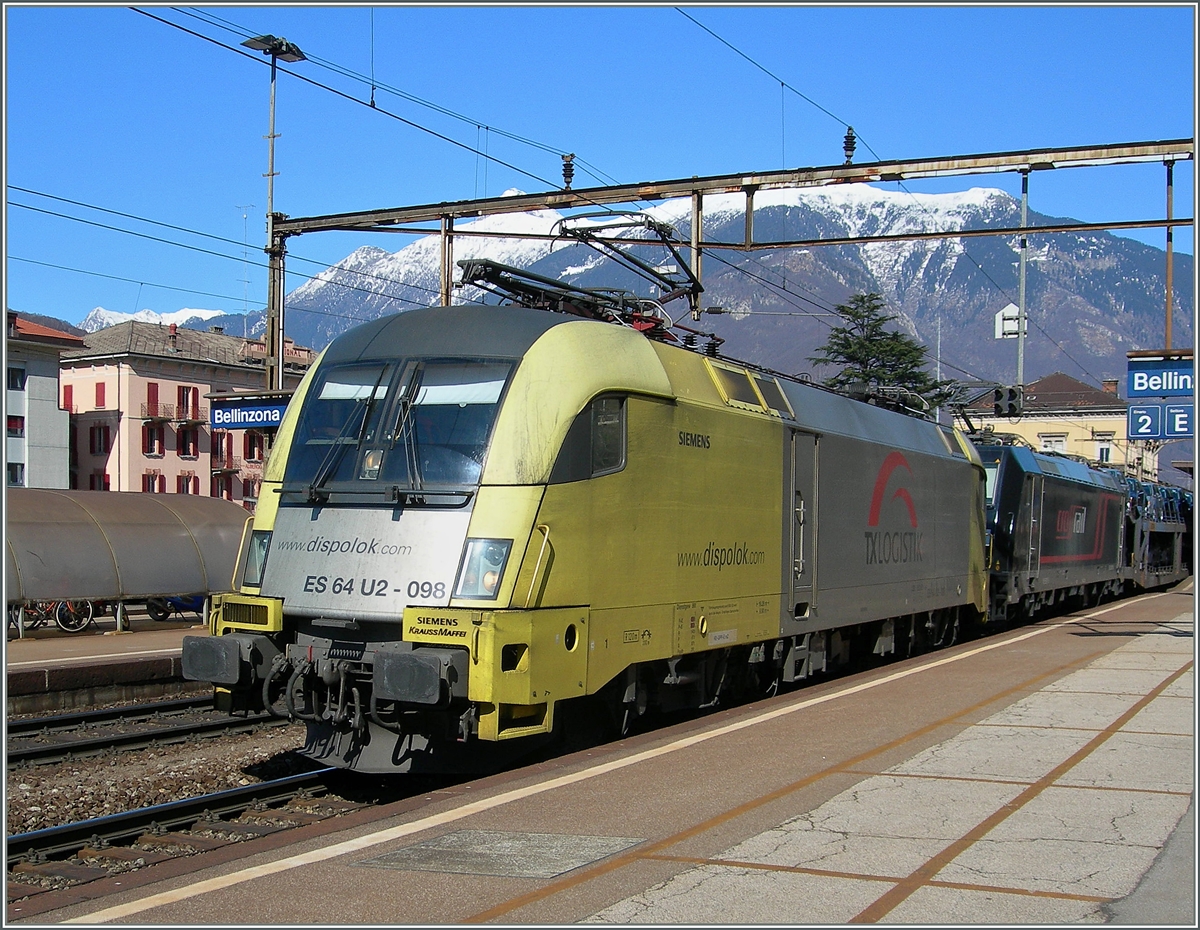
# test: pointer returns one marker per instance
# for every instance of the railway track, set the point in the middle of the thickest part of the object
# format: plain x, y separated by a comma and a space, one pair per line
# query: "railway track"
63, 737
64, 857
152, 823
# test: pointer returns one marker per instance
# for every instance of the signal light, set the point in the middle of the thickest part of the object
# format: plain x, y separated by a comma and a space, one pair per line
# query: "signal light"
1008, 401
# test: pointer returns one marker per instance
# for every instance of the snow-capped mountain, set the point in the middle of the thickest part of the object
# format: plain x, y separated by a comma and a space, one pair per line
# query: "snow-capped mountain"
1091, 297
99, 318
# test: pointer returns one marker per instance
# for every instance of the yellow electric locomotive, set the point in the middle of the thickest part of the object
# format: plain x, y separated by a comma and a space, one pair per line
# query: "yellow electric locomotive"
477, 518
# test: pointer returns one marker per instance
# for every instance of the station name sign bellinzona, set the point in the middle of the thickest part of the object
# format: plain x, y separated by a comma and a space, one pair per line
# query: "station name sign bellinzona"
246, 414
1158, 378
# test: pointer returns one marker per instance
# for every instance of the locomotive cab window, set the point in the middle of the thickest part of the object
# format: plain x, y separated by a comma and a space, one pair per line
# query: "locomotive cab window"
991, 470
595, 443
416, 424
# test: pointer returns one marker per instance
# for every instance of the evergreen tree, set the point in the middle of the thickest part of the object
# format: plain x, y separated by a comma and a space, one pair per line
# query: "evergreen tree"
874, 356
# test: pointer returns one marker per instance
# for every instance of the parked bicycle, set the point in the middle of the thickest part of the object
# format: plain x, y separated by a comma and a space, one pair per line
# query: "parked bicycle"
70, 616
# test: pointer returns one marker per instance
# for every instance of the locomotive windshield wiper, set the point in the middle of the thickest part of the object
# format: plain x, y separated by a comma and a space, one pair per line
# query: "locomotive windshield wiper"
317, 492
405, 429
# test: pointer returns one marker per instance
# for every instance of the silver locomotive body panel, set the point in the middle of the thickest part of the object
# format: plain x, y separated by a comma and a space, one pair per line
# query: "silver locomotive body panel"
364, 563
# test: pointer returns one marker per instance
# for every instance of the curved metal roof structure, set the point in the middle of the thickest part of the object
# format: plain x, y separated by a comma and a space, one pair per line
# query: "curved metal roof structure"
118, 545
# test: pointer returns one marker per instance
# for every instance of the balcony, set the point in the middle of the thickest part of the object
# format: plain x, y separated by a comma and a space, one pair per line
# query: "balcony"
226, 464
158, 413
191, 414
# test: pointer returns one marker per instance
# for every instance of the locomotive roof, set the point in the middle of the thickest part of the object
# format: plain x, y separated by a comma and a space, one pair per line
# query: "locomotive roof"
472, 330
1039, 463
487, 331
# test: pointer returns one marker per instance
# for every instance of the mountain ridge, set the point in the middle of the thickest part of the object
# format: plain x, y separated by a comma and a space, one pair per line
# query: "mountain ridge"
1091, 296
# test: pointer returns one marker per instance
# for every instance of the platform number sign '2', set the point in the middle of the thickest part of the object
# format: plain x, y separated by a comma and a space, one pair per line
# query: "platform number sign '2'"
1145, 421
1160, 421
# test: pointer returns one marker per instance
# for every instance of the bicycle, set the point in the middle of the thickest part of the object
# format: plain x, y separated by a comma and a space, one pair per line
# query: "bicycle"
74, 616
70, 616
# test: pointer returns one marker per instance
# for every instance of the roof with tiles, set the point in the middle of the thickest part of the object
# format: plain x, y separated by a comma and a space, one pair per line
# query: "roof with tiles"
155, 340
1060, 392
28, 331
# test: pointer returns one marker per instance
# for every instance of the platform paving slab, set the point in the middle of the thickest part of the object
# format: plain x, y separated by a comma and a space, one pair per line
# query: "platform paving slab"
1055, 845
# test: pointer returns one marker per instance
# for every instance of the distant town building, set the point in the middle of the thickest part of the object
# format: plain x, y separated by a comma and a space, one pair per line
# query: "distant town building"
1067, 416
35, 450
139, 418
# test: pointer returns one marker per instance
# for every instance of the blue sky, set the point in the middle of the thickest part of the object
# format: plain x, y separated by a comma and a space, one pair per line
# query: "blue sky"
112, 108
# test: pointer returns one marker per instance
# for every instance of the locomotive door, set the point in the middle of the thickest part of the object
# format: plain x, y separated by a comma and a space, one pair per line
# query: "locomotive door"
1034, 496
803, 520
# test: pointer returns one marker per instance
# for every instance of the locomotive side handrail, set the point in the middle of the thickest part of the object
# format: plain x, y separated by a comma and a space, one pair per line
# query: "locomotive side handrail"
545, 531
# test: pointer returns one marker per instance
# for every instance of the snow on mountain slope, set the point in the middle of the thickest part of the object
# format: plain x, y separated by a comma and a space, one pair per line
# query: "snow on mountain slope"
99, 318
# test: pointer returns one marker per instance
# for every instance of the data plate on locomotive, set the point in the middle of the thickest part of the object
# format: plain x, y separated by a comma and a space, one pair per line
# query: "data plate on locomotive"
362, 563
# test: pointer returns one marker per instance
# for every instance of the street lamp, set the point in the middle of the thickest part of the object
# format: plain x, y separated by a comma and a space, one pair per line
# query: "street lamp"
278, 49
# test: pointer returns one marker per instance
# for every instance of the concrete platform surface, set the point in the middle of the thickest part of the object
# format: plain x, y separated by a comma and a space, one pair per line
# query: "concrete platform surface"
49, 670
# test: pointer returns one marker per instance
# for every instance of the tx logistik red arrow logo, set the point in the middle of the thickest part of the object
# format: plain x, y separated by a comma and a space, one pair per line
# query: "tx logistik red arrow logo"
890, 548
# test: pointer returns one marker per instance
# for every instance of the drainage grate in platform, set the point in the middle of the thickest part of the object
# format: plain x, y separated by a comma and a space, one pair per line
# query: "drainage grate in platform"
518, 855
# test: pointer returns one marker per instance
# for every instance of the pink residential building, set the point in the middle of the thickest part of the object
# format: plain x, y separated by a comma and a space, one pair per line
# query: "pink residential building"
140, 420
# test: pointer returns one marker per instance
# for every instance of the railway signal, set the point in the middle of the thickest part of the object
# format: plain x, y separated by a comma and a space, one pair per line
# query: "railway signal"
1008, 401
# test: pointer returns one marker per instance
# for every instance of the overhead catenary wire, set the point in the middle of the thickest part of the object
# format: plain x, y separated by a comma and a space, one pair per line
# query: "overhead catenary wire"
184, 245
184, 229
372, 82
734, 268
480, 154
365, 103
186, 290
902, 186
783, 289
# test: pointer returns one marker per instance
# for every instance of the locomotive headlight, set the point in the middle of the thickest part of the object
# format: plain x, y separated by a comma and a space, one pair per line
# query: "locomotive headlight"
370, 464
481, 568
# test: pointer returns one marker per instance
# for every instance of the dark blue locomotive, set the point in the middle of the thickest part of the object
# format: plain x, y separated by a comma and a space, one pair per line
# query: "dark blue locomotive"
1062, 533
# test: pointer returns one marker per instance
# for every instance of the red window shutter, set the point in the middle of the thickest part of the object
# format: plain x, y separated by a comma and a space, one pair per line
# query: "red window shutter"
68, 396
107, 482
152, 396
145, 446
99, 393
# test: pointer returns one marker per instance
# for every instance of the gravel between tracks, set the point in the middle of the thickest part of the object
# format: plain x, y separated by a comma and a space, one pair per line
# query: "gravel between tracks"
51, 795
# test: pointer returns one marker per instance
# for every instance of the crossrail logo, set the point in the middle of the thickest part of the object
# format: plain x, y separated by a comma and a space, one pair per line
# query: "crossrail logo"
886, 547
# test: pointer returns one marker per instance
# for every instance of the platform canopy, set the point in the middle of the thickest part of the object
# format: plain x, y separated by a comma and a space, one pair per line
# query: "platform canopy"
118, 545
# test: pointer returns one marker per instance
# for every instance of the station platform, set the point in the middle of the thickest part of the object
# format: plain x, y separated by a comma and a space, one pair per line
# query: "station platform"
1043, 775
48, 670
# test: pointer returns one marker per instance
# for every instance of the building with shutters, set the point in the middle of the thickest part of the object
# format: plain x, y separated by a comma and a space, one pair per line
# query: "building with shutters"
140, 420
36, 446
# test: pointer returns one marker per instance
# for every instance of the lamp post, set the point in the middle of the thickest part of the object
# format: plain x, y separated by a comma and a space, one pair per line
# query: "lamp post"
278, 49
